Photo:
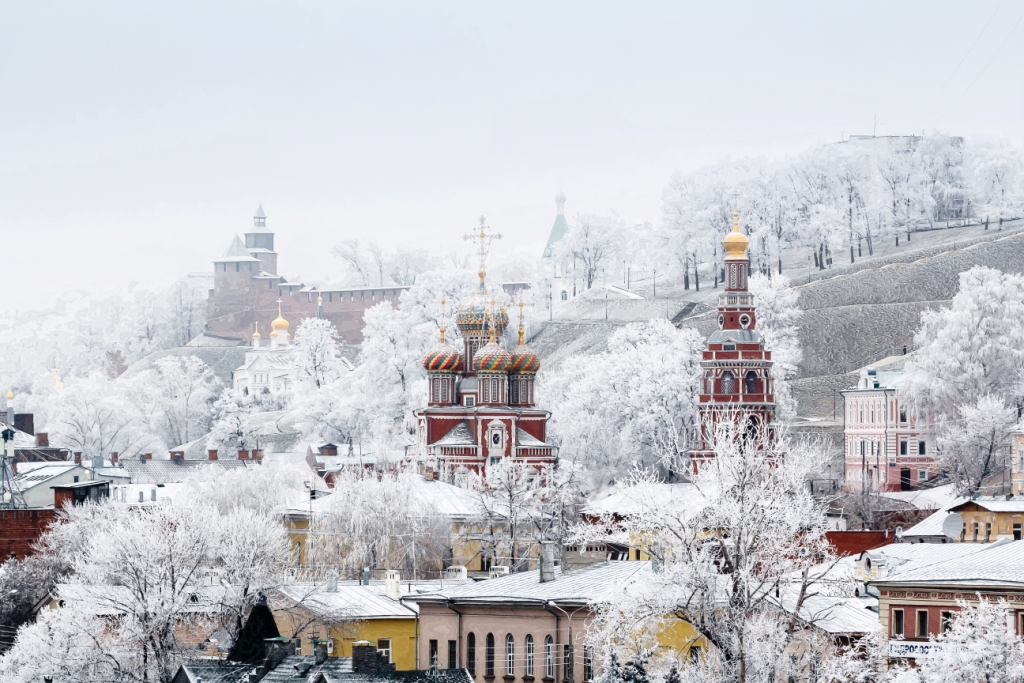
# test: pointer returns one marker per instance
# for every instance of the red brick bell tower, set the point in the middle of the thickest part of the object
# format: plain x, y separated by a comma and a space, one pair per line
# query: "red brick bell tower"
736, 381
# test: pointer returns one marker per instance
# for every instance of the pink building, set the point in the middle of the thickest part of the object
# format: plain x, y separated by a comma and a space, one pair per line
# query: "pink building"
888, 447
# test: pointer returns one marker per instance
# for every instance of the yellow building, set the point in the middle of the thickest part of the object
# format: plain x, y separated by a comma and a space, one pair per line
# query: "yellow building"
987, 519
342, 614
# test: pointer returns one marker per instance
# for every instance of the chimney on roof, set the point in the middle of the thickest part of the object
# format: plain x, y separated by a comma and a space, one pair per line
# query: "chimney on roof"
428, 474
148, 456
547, 561
393, 584
114, 459
257, 454
78, 457
42, 440
328, 449
177, 456
243, 455
212, 453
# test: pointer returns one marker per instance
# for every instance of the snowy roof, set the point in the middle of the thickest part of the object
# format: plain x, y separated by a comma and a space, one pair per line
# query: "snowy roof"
582, 586
737, 336
236, 252
348, 602
527, 439
165, 471
445, 498
558, 230
41, 475
932, 524
940, 497
993, 504
459, 435
835, 615
900, 558
1000, 563
635, 499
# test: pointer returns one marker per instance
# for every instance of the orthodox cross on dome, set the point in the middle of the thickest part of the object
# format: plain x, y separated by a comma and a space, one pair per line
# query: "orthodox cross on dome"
483, 240
521, 330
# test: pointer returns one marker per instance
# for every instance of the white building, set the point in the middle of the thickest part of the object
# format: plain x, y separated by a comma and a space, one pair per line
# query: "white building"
558, 271
269, 366
888, 448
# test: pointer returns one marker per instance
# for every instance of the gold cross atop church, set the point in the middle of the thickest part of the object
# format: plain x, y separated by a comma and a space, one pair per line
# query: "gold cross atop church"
483, 240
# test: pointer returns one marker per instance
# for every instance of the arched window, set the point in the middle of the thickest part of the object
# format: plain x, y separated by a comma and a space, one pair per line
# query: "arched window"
709, 382
529, 655
489, 656
549, 657
728, 383
510, 655
471, 653
751, 381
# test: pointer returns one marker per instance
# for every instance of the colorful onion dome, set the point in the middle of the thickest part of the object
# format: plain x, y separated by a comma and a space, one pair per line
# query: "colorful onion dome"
476, 317
735, 242
522, 360
491, 359
443, 358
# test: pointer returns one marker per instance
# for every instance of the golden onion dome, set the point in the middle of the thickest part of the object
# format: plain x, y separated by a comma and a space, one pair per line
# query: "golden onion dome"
735, 242
256, 334
279, 324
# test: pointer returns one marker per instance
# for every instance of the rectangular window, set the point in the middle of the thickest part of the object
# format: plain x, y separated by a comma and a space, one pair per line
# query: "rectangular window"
945, 620
695, 653
921, 449
384, 648
903, 416
922, 623
470, 401
588, 663
432, 660
567, 661
922, 475
903, 447
988, 531
1016, 532
471, 653
974, 537
453, 654
897, 622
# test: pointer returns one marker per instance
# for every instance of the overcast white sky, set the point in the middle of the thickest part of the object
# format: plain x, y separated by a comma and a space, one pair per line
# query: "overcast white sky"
137, 138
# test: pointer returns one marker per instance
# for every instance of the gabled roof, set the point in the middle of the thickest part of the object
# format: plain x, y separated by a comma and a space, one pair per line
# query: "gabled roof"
990, 564
347, 602
992, 504
833, 614
236, 252
459, 435
42, 476
167, 471
583, 586
635, 499
527, 439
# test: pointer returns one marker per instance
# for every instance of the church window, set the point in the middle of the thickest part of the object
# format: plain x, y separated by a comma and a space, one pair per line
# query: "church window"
470, 401
709, 382
744, 321
728, 383
732, 276
751, 381
921, 448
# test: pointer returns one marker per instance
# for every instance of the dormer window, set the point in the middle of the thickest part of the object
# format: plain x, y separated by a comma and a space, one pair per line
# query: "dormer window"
729, 347
470, 401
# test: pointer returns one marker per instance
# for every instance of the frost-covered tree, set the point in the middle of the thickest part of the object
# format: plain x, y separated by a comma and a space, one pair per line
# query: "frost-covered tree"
981, 645
379, 522
750, 537
93, 415
967, 372
778, 311
636, 402
177, 396
591, 244
316, 357
235, 422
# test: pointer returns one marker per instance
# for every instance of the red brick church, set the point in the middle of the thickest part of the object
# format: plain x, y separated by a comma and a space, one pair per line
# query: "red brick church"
480, 404
736, 380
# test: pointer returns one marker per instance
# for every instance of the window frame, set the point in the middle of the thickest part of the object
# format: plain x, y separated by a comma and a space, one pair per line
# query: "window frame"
453, 654
510, 655
529, 655
489, 656
899, 622
471, 653
386, 651
549, 657
918, 623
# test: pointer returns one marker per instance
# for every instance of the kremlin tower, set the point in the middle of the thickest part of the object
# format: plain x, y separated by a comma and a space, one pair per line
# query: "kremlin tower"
736, 380
480, 405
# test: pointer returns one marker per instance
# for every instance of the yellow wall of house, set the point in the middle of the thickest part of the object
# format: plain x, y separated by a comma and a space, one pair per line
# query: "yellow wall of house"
402, 633
677, 637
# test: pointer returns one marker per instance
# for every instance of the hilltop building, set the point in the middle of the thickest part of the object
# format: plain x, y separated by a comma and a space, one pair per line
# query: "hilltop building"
480, 407
736, 366
248, 292
558, 268
888, 448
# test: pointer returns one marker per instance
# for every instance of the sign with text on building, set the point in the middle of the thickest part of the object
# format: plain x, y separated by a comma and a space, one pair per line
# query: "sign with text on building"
906, 650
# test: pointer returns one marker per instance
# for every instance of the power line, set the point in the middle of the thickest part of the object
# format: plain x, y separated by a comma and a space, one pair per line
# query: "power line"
970, 49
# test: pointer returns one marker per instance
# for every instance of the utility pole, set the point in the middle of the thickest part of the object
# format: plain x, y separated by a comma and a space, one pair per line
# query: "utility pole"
11, 497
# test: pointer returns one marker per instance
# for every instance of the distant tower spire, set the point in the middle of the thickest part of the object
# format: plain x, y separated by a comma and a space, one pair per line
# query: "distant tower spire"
259, 220
483, 241
319, 307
